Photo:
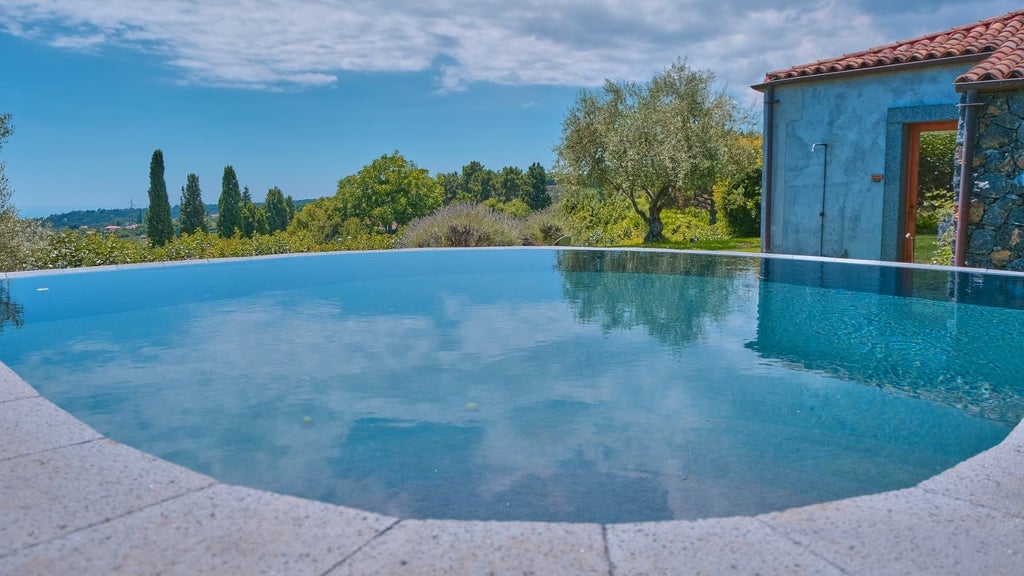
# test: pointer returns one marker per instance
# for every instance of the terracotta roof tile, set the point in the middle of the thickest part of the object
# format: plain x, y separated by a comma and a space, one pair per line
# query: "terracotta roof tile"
1002, 38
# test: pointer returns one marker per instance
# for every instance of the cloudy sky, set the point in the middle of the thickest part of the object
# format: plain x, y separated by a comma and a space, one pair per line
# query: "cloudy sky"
301, 93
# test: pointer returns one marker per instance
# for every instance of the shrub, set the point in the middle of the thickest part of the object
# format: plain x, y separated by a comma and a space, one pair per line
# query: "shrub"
932, 211
72, 249
462, 225
691, 225
516, 207
595, 218
739, 203
20, 241
543, 228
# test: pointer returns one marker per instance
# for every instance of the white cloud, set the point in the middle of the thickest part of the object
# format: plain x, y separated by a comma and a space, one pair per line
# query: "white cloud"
293, 44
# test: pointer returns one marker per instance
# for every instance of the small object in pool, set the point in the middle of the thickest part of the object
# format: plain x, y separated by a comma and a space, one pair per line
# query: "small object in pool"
472, 407
307, 420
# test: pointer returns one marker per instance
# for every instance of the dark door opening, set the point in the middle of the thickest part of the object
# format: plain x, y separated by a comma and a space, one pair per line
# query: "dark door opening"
929, 196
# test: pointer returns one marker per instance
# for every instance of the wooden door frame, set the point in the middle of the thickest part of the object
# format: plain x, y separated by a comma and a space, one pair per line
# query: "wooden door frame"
912, 165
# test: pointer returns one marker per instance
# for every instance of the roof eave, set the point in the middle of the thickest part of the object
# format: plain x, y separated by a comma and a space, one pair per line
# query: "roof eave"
875, 69
990, 85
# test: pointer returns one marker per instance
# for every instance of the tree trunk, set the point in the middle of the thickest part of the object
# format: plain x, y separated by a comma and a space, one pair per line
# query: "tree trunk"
654, 226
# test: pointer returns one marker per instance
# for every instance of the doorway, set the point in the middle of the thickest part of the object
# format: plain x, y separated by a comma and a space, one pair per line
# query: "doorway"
929, 196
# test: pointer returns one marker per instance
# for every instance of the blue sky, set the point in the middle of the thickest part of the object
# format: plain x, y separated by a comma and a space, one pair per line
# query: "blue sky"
300, 93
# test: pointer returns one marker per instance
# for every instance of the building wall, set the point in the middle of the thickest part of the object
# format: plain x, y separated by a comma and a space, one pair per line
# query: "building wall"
996, 215
854, 115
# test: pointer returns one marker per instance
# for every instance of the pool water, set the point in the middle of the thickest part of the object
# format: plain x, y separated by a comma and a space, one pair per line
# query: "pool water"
533, 384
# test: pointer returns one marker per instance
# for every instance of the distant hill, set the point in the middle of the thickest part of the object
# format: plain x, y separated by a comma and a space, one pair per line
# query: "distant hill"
96, 218
121, 216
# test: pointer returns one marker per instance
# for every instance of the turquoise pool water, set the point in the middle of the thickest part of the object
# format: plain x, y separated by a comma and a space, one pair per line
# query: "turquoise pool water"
533, 384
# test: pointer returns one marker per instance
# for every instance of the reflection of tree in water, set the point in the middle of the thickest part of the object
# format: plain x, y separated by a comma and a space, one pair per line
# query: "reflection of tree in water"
10, 311
673, 296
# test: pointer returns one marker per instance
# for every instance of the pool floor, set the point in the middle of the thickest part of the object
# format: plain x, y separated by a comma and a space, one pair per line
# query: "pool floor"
76, 502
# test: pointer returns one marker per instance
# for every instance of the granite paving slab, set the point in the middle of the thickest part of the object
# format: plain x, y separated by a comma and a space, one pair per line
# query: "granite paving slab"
735, 546
55, 492
32, 425
910, 531
12, 387
218, 530
450, 547
993, 479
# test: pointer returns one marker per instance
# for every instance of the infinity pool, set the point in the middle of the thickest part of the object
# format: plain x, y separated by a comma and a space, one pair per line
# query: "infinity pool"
533, 384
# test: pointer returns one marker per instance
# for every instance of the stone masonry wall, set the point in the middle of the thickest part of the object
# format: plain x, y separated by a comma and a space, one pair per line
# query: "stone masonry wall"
996, 216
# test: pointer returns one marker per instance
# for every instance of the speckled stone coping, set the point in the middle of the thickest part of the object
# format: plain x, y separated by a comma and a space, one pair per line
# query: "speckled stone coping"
74, 502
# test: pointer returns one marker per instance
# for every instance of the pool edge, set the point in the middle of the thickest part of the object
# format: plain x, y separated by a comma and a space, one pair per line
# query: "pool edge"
965, 519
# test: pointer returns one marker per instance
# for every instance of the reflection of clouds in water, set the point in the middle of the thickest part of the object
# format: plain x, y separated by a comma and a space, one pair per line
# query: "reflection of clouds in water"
225, 387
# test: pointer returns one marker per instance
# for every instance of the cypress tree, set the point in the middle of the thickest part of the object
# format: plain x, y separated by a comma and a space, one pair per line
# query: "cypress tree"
159, 226
229, 205
193, 211
276, 209
248, 218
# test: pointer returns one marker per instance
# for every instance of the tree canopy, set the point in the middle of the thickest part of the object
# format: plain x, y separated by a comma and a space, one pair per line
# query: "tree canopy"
655, 143
389, 190
229, 206
18, 237
277, 213
159, 226
478, 184
193, 211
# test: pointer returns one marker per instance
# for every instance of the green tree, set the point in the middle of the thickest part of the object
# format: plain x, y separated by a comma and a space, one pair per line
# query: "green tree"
510, 184
935, 195
290, 205
477, 182
322, 220
260, 223
738, 194
276, 208
248, 214
389, 190
193, 211
451, 184
537, 196
229, 206
19, 238
6, 129
159, 226
655, 143
936, 161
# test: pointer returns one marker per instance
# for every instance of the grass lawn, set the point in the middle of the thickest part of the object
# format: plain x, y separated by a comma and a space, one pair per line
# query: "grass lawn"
927, 250
727, 245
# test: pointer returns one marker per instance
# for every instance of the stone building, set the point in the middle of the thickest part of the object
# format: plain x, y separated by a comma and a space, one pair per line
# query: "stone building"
841, 139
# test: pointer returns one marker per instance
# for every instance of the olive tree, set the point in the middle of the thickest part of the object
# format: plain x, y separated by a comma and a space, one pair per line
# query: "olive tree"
19, 238
655, 143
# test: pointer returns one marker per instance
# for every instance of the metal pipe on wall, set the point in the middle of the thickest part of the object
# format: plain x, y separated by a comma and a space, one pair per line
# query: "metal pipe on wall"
966, 176
824, 182
768, 168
